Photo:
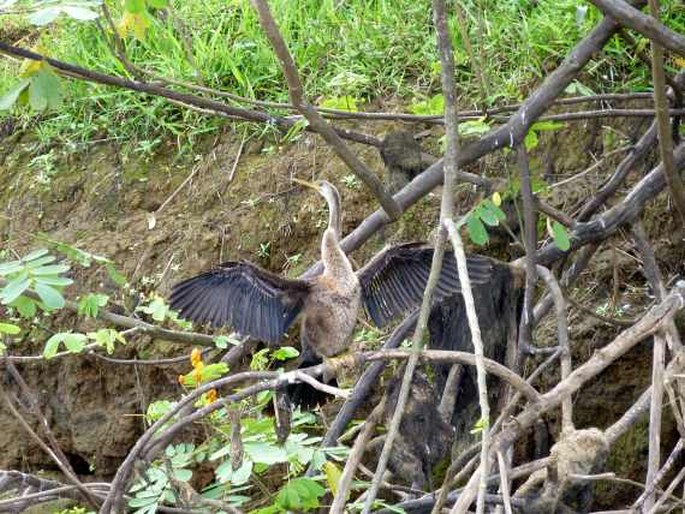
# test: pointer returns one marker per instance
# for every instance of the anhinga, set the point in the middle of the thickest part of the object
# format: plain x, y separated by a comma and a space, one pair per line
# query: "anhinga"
263, 305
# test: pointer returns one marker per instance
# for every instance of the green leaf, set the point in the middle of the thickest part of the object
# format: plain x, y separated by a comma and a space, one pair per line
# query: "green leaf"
265, 453
55, 281
114, 275
225, 473
7, 268
35, 254
489, 213
8, 100
209, 372
135, 6
90, 304
14, 289
480, 425
75, 343
433, 106
53, 269
260, 360
158, 4
157, 308
107, 337
340, 103
183, 474
51, 347
473, 128
577, 88
285, 353
222, 342
214, 371
44, 91
157, 409
549, 125
51, 297
538, 184
79, 13
26, 306
560, 236
531, 140
36, 263
476, 230
44, 16
300, 494
9, 328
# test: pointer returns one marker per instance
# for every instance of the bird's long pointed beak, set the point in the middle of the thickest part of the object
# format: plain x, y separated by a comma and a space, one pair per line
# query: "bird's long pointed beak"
306, 184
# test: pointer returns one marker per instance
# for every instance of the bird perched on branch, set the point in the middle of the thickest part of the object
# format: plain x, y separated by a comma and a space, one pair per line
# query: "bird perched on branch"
263, 305
401, 154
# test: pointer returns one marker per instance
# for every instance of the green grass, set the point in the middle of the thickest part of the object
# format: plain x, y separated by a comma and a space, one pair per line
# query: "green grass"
362, 48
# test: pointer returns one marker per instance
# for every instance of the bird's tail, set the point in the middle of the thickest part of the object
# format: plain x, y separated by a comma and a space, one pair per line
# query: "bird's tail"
304, 395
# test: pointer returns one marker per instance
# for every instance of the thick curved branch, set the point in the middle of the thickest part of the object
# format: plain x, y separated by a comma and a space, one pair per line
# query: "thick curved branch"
649, 27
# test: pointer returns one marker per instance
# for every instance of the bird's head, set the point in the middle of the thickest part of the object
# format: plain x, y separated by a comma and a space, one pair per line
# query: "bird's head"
332, 196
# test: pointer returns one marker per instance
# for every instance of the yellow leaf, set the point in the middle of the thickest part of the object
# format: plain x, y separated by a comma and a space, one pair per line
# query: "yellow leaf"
679, 62
496, 198
137, 23
30, 67
333, 475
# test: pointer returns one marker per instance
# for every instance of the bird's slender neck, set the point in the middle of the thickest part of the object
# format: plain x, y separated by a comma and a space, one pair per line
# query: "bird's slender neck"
334, 259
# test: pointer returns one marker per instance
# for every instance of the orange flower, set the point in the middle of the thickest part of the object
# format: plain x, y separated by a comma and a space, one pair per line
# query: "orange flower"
196, 357
211, 396
197, 375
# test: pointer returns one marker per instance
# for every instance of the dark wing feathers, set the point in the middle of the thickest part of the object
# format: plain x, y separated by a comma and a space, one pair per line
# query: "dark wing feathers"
393, 282
249, 299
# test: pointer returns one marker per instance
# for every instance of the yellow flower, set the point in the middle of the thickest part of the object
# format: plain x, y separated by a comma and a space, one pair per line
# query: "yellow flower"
196, 357
211, 396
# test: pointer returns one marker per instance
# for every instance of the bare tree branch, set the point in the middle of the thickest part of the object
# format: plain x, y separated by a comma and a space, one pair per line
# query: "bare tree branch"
209, 105
675, 183
315, 119
649, 27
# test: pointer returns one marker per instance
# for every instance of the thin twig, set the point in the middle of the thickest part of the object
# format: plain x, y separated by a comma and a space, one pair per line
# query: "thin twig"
472, 318
669, 491
231, 174
563, 342
675, 183
504, 483
654, 456
651, 487
530, 242
354, 458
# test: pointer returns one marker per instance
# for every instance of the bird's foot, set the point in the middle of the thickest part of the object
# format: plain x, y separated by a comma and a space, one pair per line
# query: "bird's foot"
340, 367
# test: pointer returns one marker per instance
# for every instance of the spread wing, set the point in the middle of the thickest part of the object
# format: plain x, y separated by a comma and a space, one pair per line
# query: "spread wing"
251, 300
393, 282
